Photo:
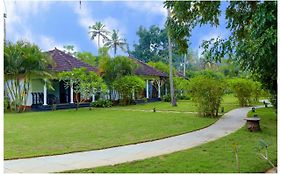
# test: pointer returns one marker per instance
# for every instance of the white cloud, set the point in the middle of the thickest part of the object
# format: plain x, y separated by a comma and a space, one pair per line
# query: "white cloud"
152, 7
17, 27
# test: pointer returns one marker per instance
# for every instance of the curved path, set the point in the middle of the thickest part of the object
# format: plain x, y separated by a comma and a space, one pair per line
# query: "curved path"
228, 123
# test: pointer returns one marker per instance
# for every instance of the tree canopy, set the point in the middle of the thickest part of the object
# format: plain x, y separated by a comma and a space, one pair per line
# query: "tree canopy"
253, 38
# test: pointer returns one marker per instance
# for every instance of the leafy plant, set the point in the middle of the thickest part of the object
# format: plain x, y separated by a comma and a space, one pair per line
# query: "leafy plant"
207, 92
128, 85
235, 150
22, 62
262, 151
83, 82
166, 98
101, 103
245, 90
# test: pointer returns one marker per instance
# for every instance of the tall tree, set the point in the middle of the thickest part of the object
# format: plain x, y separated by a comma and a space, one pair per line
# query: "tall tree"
115, 41
69, 49
98, 30
253, 38
172, 90
87, 57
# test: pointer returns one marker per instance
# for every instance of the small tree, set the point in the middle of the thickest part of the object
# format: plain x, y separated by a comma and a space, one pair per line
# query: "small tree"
244, 90
83, 82
128, 85
22, 62
207, 92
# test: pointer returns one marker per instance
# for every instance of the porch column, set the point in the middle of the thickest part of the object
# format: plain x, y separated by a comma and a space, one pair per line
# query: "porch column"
133, 94
71, 92
94, 97
166, 90
45, 93
147, 95
159, 90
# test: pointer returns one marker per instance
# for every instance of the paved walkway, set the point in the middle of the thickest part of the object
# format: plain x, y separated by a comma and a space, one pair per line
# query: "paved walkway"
227, 124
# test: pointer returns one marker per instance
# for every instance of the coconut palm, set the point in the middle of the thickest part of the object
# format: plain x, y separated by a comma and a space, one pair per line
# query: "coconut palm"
115, 41
172, 90
98, 30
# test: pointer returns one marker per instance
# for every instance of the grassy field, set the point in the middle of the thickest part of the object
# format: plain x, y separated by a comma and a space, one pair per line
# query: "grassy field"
213, 157
229, 102
46, 133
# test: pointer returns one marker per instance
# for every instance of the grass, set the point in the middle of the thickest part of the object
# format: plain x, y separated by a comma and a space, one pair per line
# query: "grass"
213, 157
33, 134
229, 102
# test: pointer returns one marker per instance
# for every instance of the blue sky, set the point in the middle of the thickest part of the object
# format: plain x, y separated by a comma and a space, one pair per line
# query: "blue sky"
52, 24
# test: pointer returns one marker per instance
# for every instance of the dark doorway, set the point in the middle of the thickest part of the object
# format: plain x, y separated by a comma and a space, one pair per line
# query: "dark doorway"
64, 93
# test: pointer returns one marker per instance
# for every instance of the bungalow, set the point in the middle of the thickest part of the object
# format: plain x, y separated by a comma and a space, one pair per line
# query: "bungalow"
40, 97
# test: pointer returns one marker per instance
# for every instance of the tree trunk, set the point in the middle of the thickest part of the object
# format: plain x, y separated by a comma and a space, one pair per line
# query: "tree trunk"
172, 90
98, 42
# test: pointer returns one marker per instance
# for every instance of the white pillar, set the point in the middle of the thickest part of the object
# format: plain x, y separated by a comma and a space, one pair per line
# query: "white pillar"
133, 94
93, 97
147, 95
159, 90
166, 90
45, 93
71, 92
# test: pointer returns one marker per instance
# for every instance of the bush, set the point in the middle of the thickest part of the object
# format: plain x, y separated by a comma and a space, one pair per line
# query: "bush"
6, 104
101, 103
166, 98
128, 85
182, 97
245, 90
207, 92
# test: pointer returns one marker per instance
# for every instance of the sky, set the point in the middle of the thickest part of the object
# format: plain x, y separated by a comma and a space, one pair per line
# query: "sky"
51, 24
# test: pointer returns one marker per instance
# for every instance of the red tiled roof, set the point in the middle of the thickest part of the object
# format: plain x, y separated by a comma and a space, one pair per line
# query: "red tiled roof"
145, 69
66, 62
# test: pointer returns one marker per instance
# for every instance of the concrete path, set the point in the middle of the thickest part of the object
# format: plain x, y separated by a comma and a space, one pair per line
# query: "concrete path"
227, 124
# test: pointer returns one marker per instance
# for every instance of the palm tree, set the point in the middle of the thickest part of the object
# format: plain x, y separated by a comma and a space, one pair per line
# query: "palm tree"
172, 90
22, 62
98, 30
115, 41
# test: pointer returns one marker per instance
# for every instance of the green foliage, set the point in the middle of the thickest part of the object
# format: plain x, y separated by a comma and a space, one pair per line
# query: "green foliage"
162, 66
253, 39
100, 103
245, 90
98, 30
207, 92
116, 68
69, 49
84, 83
180, 85
115, 41
6, 104
166, 98
128, 85
87, 57
23, 61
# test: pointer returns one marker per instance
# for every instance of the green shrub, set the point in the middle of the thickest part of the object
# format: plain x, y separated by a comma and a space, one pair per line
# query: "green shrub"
128, 85
245, 90
6, 104
101, 103
206, 92
182, 97
166, 98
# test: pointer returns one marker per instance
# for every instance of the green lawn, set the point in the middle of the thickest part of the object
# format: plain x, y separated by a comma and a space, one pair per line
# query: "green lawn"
229, 102
213, 157
46, 133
